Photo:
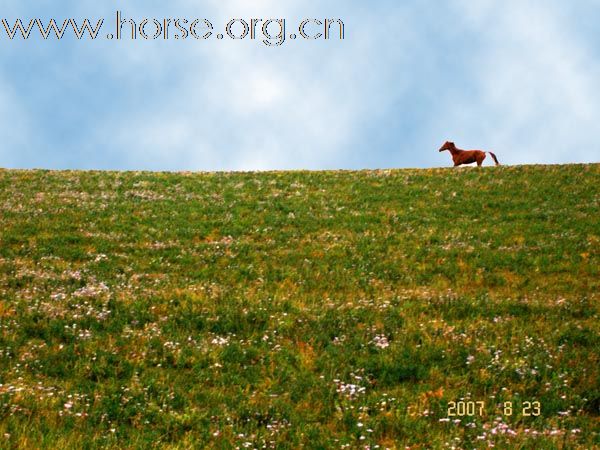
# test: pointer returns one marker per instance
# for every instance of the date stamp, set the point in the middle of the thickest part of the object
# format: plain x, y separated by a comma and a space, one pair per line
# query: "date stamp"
479, 408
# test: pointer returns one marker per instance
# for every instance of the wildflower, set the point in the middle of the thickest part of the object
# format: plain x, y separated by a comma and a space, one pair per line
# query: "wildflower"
220, 340
380, 341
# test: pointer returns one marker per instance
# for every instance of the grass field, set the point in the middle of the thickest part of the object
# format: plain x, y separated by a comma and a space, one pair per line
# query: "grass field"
301, 309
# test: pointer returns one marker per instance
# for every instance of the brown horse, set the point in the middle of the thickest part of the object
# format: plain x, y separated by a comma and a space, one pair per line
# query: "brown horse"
466, 156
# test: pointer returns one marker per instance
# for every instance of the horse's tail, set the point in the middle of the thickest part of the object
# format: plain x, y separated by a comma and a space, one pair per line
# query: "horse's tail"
494, 158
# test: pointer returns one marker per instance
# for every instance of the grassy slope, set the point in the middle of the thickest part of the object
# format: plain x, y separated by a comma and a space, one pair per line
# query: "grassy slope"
299, 308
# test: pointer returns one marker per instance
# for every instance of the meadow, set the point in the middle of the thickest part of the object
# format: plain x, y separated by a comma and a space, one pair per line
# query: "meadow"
441, 308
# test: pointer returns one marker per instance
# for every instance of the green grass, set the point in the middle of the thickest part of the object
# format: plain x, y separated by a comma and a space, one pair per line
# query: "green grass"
300, 309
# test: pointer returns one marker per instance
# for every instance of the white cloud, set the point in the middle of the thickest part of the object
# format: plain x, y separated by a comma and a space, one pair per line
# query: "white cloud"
537, 86
529, 93
242, 105
18, 134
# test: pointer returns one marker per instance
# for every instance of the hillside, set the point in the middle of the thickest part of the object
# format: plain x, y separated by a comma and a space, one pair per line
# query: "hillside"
289, 309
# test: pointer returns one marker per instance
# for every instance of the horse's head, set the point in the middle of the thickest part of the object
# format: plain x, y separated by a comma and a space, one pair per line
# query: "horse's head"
447, 146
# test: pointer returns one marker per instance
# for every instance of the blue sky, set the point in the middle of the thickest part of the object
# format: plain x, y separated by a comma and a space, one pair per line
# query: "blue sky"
519, 77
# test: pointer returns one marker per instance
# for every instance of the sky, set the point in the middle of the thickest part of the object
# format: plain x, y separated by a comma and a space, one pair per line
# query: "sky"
518, 77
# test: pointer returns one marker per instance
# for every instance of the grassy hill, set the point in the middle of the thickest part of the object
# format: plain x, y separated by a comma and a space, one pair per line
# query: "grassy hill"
289, 309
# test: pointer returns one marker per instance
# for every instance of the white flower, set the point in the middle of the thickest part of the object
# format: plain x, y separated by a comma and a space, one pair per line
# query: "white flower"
380, 341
